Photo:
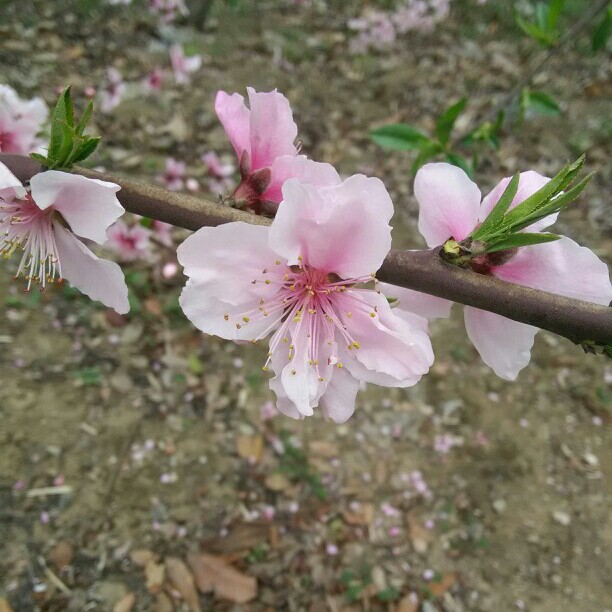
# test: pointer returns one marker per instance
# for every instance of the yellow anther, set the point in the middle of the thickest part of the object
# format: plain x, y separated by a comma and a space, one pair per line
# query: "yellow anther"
349, 314
246, 319
226, 317
267, 281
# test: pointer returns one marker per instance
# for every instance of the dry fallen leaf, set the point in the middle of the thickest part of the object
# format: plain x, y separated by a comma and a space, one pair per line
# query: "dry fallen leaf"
444, 584
163, 603
126, 603
142, 557
410, 603
179, 576
215, 574
242, 537
62, 554
419, 536
323, 448
276, 482
363, 515
250, 447
154, 574
5, 606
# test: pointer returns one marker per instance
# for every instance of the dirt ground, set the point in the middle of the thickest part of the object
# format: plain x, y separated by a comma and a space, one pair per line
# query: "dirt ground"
151, 436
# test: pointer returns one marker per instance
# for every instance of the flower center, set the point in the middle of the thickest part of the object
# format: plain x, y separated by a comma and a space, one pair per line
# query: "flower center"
7, 141
28, 230
311, 306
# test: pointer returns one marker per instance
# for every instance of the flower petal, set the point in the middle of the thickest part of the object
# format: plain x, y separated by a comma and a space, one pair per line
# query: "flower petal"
342, 229
222, 263
338, 401
235, 118
562, 267
503, 344
300, 167
10, 185
529, 183
449, 203
422, 304
97, 278
394, 347
273, 130
89, 206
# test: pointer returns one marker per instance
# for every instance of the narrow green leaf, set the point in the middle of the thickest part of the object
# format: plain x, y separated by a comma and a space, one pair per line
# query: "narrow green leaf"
428, 151
541, 15
86, 149
39, 158
520, 239
495, 217
446, 121
58, 120
555, 8
63, 152
80, 128
602, 32
69, 108
543, 103
399, 136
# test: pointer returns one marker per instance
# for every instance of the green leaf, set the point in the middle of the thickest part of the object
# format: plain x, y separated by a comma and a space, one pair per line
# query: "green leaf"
555, 8
446, 121
602, 32
543, 103
520, 239
460, 162
80, 128
85, 150
39, 158
58, 122
399, 136
496, 216
425, 154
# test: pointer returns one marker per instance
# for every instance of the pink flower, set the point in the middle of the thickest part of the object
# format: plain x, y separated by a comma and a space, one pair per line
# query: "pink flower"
174, 177
183, 66
220, 173
43, 223
113, 91
163, 232
129, 242
154, 80
299, 280
20, 122
168, 10
263, 138
450, 206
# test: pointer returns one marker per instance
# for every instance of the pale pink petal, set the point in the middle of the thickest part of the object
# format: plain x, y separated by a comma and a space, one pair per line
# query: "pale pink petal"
97, 278
300, 167
221, 264
562, 267
504, 345
449, 203
89, 206
394, 347
272, 128
10, 185
422, 304
235, 118
338, 401
529, 183
342, 229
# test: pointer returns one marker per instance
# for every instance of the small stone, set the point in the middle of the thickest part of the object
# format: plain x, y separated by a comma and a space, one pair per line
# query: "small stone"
500, 505
563, 518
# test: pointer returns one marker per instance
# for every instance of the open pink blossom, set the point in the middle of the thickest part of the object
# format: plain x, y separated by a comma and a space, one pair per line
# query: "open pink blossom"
129, 242
168, 10
42, 225
263, 137
301, 281
174, 176
113, 90
20, 122
183, 66
450, 206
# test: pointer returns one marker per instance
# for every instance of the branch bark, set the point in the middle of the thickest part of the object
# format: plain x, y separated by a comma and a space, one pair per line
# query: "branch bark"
422, 271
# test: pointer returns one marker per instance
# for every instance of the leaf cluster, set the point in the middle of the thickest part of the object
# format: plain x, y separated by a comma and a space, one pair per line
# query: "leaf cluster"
68, 143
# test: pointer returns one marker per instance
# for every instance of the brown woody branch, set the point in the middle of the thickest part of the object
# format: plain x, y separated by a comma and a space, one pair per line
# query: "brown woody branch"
425, 271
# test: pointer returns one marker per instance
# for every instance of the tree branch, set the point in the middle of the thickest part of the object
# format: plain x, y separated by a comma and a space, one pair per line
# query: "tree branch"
422, 271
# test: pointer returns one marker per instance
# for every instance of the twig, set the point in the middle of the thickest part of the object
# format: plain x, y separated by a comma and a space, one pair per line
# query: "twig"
419, 270
44, 491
